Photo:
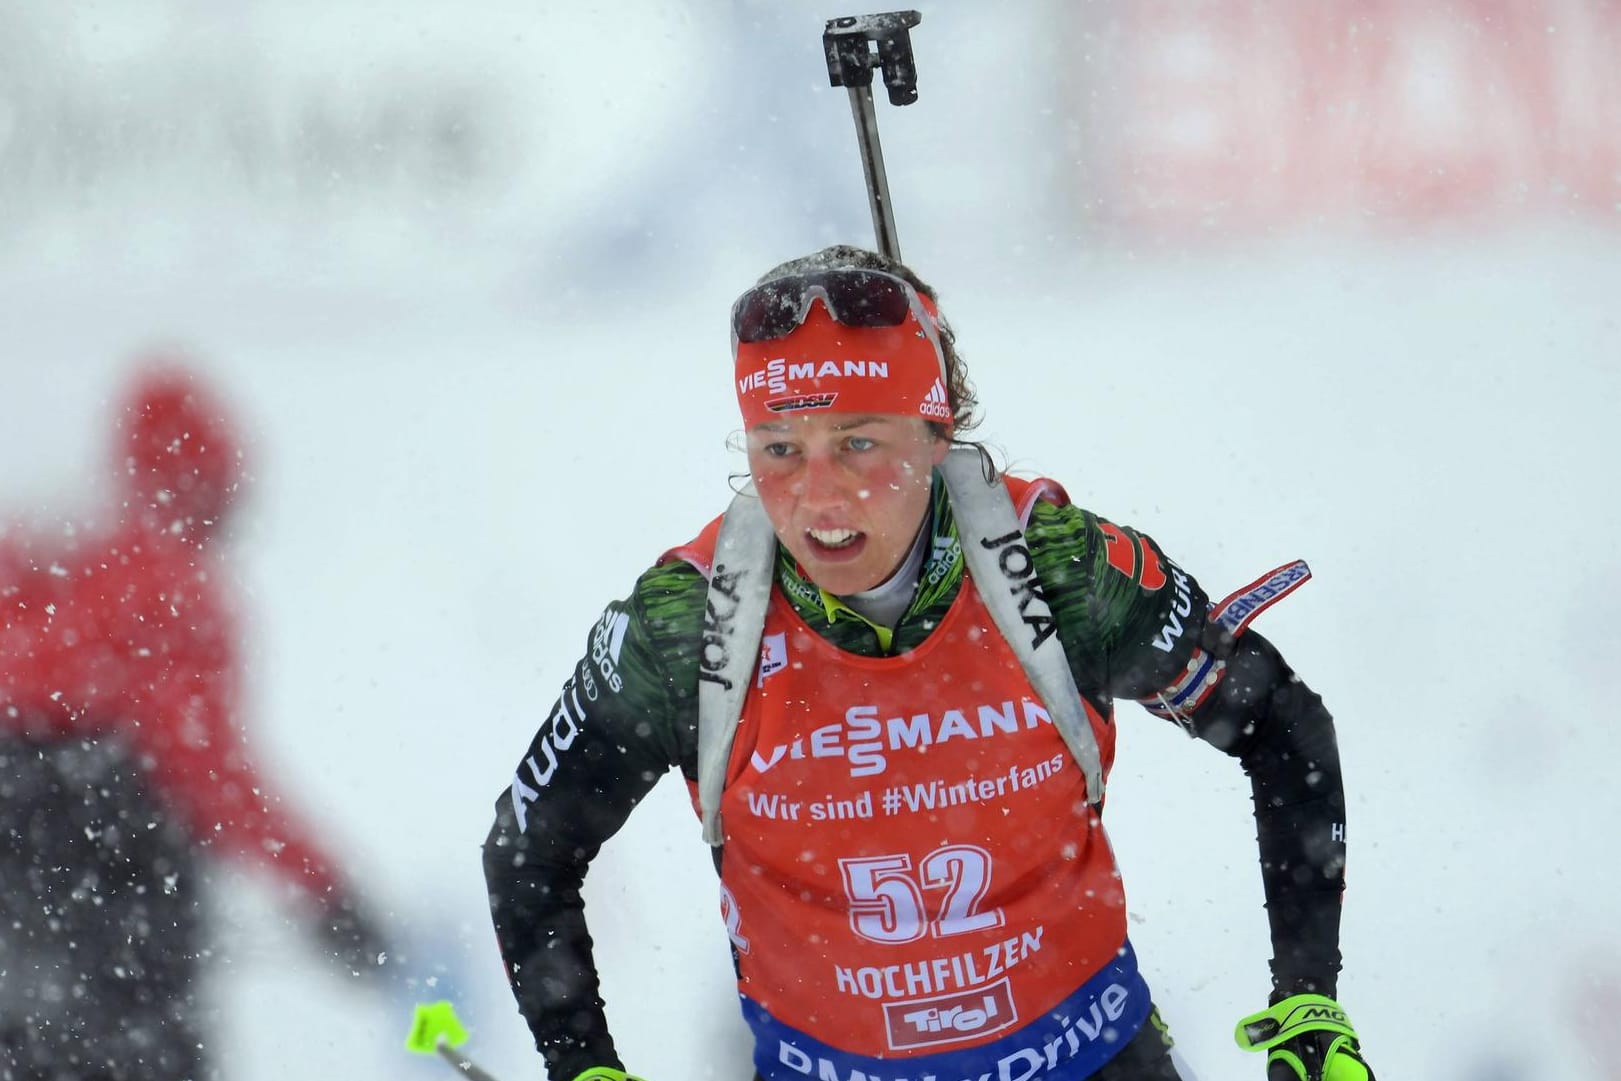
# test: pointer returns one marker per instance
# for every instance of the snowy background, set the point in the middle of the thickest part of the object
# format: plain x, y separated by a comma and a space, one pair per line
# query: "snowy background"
465, 281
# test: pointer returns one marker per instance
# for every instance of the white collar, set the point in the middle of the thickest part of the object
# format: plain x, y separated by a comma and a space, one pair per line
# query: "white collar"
886, 602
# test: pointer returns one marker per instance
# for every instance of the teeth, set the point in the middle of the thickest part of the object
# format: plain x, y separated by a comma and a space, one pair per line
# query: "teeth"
833, 538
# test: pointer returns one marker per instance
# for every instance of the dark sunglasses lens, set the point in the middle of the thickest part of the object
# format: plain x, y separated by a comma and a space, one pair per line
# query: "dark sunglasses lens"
856, 298
768, 311
865, 299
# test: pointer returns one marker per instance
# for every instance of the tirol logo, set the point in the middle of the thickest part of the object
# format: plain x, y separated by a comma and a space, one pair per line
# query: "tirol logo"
773, 656
951, 1018
795, 402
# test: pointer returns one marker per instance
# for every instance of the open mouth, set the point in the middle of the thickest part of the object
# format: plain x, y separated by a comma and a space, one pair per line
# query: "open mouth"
835, 543
834, 538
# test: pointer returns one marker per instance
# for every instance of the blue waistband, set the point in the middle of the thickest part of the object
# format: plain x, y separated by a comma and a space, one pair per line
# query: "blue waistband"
1069, 1042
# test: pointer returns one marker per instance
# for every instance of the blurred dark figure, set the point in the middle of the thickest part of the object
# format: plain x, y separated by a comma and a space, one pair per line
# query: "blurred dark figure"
123, 769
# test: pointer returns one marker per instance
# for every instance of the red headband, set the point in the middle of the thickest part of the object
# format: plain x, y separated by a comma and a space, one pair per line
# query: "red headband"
824, 366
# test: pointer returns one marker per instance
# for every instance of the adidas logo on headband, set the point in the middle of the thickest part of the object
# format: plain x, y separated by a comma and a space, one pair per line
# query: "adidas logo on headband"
937, 403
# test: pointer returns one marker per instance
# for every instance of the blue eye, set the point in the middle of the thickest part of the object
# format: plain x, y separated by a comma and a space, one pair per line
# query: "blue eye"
778, 450
860, 442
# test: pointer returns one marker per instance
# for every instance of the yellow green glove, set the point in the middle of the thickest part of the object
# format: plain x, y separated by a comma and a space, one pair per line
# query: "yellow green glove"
605, 1073
1306, 1038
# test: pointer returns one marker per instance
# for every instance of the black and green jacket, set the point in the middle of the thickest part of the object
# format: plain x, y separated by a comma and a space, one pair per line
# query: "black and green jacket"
629, 713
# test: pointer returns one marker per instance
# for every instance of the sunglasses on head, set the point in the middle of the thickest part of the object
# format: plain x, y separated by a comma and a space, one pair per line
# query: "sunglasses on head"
853, 297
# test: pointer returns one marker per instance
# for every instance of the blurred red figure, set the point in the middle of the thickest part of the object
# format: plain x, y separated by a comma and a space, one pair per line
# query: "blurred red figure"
121, 760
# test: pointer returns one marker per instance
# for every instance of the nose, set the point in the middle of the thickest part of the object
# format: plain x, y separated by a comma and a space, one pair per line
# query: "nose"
823, 484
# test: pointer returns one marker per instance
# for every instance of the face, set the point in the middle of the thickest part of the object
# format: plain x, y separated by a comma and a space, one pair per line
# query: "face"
845, 493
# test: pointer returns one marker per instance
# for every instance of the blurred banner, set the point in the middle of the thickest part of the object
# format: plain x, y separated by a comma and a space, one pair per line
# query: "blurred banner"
272, 104
1238, 117
1221, 119
178, 119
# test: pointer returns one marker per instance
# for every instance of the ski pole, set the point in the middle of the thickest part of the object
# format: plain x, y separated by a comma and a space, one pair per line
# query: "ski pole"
435, 1029
854, 45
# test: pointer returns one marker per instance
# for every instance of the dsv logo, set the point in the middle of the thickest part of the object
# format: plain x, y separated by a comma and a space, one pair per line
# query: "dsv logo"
1020, 570
720, 616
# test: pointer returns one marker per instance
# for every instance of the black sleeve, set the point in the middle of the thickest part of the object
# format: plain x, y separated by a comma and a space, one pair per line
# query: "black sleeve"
620, 723
1263, 715
1134, 625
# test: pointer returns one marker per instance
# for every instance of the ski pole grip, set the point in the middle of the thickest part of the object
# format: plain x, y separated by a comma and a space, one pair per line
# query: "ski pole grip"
849, 44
